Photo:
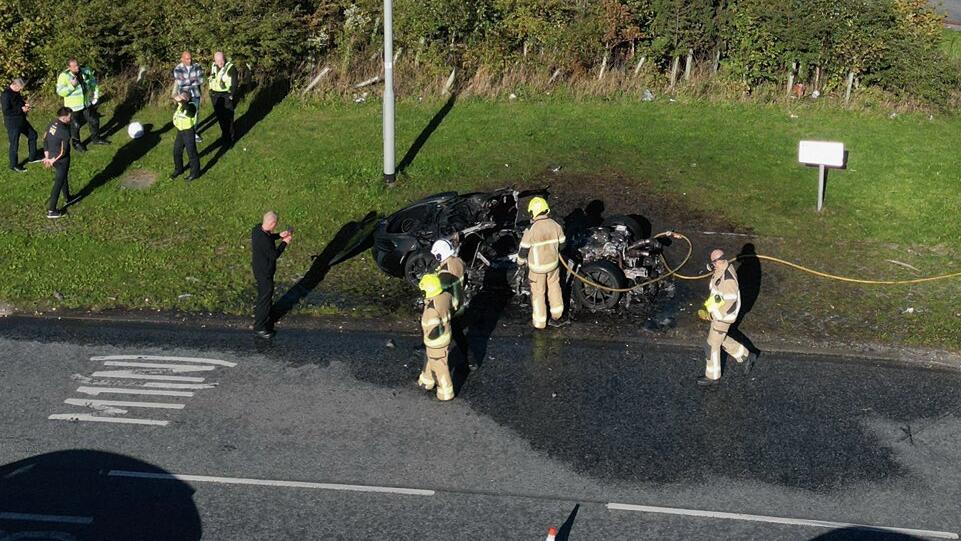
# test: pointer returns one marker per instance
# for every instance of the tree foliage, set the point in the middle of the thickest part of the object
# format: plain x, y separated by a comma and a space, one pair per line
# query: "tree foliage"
890, 44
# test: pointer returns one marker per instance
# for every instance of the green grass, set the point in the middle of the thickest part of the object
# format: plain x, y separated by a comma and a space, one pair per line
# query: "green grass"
319, 166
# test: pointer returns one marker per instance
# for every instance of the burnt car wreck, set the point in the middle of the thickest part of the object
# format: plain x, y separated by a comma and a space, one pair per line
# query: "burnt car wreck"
487, 228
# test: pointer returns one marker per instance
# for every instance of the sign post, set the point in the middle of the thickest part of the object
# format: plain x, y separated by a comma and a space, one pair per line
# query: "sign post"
822, 154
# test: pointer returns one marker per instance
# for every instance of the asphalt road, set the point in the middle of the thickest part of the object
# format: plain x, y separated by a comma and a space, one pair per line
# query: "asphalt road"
324, 436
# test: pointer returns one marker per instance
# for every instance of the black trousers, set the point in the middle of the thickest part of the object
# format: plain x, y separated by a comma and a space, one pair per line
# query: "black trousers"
88, 115
185, 140
16, 128
263, 305
60, 171
224, 110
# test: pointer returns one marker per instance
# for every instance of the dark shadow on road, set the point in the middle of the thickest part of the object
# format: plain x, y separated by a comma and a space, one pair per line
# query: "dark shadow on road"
485, 311
863, 534
425, 134
264, 101
564, 532
86, 486
749, 274
352, 239
133, 151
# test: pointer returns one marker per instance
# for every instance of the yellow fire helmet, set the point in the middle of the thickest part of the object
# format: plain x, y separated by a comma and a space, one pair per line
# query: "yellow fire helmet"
538, 206
431, 286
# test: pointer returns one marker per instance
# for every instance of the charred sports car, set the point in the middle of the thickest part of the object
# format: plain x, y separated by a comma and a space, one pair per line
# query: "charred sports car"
488, 228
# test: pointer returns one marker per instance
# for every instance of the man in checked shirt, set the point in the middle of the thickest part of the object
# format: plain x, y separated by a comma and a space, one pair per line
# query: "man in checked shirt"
189, 77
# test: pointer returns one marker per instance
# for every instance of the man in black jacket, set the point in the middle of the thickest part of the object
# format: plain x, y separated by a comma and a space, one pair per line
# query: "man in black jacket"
15, 110
264, 253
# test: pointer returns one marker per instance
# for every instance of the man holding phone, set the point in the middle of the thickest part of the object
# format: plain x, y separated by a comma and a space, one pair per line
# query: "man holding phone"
264, 253
15, 110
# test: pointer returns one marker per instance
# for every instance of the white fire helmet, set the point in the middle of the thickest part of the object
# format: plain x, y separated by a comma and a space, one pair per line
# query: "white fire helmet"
442, 249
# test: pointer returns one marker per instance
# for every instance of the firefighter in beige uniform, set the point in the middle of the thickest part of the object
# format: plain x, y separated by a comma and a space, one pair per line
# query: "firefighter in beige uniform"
451, 271
540, 251
435, 322
721, 309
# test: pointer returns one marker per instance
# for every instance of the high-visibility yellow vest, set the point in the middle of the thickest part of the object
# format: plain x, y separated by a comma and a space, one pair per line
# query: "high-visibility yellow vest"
219, 80
73, 96
182, 121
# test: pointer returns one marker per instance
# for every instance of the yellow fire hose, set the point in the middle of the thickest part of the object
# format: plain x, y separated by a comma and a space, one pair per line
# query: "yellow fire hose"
690, 250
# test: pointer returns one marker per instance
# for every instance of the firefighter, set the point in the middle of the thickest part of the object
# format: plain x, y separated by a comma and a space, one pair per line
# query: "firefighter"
435, 323
540, 251
721, 310
452, 278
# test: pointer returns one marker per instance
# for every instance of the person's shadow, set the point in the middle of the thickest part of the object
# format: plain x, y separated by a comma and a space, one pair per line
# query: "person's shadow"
425, 134
749, 274
131, 152
96, 495
134, 100
352, 239
486, 308
264, 101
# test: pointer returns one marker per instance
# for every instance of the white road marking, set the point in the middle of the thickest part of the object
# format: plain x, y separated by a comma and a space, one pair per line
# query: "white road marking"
94, 391
269, 483
32, 517
89, 403
180, 385
130, 374
162, 366
197, 360
777, 520
99, 419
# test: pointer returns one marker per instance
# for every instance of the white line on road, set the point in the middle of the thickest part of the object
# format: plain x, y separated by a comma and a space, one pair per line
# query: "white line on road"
94, 391
98, 419
198, 360
130, 374
777, 520
89, 403
32, 517
171, 367
269, 483
180, 385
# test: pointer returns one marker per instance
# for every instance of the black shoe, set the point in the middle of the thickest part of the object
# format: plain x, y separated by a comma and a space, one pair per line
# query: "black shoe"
748, 364
100, 142
54, 214
266, 335
71, 200
175, 174
705, 382
18, 169
191, 178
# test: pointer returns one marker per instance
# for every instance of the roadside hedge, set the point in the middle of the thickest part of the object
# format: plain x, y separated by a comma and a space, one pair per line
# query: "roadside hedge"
894, 45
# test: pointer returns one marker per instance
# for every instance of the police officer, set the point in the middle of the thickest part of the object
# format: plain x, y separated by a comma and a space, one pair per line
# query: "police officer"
540, 251
80, 92
721, 310
15, 110
185, 120
435, 324
263, 261
222, 84
56, 154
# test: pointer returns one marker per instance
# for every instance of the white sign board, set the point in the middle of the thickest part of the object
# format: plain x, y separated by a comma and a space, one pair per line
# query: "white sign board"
821, 153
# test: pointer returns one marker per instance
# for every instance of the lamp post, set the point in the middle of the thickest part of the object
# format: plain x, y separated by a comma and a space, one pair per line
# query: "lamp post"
389, 167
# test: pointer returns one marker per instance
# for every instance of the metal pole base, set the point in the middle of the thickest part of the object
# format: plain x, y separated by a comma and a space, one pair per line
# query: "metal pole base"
390, 178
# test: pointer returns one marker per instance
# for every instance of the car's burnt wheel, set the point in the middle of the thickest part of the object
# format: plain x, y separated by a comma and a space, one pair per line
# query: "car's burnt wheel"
417, 265
630, 223
603, 273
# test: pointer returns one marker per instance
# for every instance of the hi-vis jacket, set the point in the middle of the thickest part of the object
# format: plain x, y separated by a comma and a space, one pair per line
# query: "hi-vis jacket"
541, 245
435, 321
725, 300
451, 272
83, 94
